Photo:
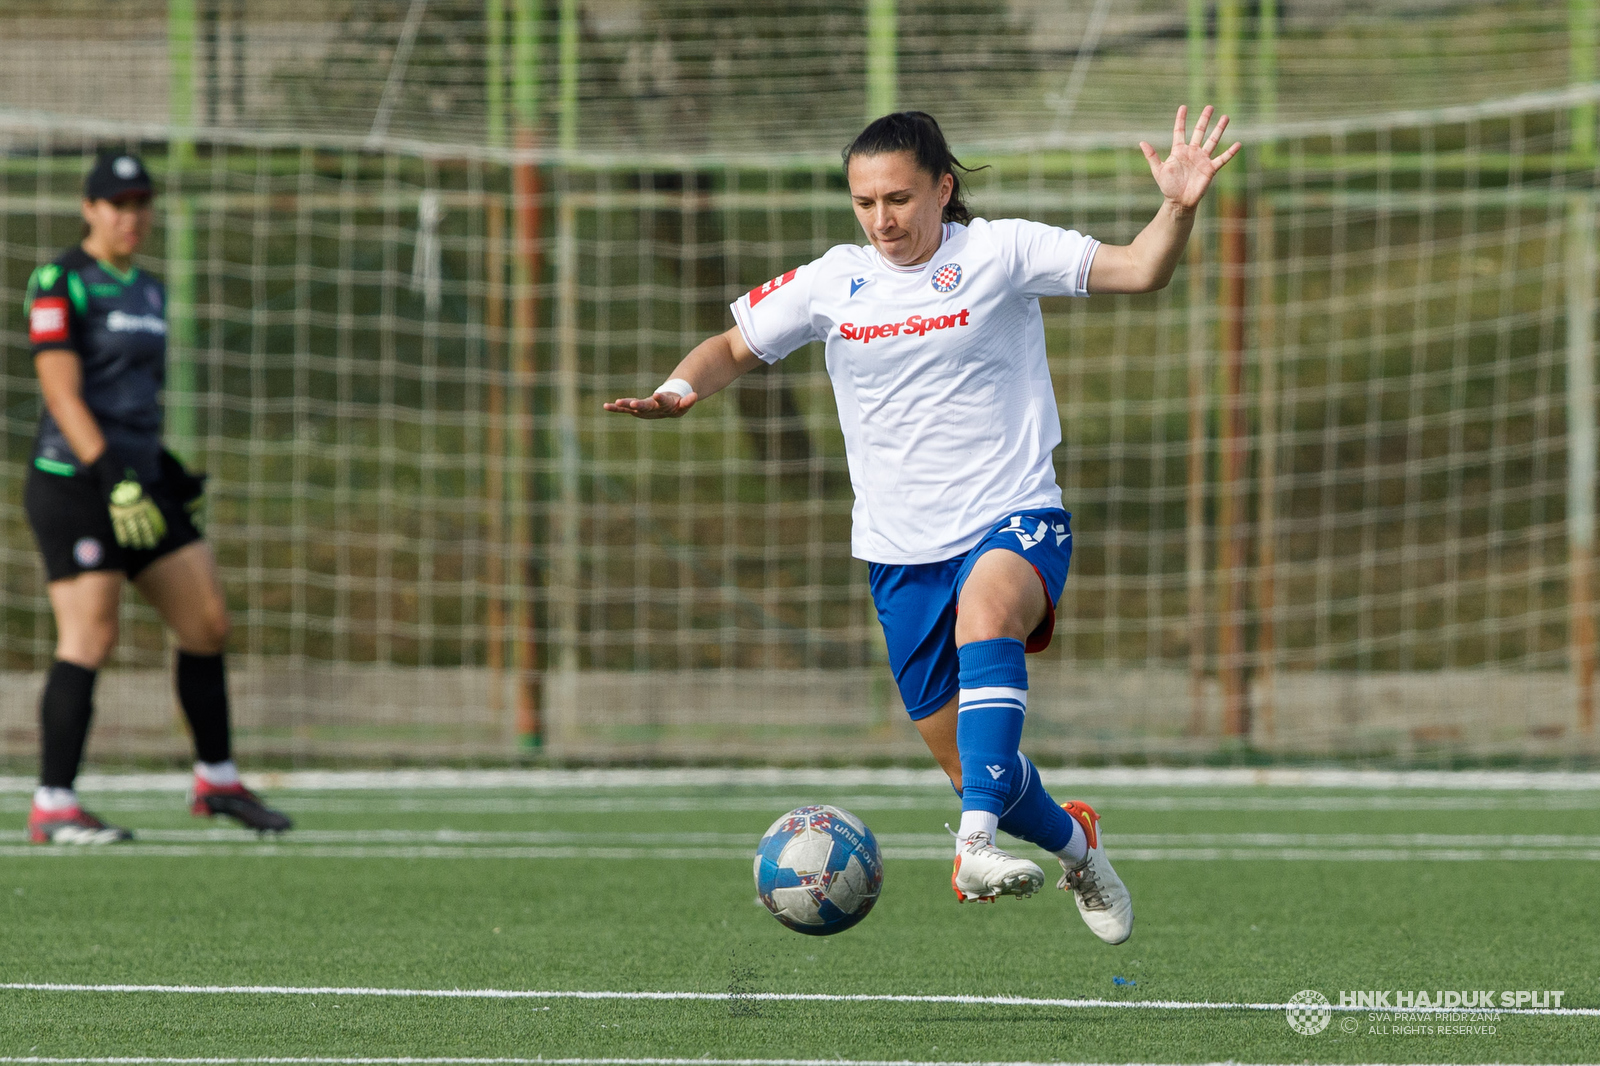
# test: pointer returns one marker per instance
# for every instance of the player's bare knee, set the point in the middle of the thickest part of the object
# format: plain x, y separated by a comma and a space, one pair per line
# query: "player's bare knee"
985, 621
88, 646
211, 635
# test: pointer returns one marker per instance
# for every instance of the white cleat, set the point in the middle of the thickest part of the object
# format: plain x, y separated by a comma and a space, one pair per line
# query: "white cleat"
1102, 898
983, 872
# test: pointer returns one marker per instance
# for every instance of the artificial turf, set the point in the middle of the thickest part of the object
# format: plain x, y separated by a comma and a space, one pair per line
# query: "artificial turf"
1241, 896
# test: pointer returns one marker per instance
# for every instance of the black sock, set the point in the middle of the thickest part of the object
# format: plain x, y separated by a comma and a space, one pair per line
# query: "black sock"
64, 712
203, 693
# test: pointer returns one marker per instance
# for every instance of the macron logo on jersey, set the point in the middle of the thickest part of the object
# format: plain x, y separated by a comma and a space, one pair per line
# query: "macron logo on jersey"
856, 283
761, 292
915, 326
47, 321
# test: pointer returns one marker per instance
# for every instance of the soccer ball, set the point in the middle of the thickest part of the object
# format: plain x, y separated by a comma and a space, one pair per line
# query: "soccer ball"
818, 870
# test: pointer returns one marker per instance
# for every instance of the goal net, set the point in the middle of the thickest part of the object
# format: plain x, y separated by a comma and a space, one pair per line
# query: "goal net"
1333, 489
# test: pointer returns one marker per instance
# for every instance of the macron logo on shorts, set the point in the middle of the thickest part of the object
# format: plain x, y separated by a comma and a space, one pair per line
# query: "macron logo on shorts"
47, 321
761, 292
1027, 539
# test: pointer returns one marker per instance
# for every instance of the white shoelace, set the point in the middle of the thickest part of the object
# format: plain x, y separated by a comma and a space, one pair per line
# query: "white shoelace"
1081, 879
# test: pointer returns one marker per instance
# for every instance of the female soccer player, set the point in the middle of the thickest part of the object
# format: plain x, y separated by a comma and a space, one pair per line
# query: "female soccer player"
935, 346
108, 503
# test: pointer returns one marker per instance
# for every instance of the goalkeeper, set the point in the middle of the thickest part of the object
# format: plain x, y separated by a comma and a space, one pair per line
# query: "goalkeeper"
936, 350
109, 504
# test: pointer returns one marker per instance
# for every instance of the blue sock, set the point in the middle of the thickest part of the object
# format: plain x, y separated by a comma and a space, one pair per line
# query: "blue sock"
1033, 816
992, 703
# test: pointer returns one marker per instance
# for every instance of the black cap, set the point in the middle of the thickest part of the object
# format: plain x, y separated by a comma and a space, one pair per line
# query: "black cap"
117, 176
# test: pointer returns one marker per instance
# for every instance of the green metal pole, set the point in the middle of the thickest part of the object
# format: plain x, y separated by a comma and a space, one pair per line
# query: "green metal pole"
494, 76
525, 64
1198, 83
1267, 62
494, 72
567, 134
180, 86
1230, 31
181, 430
565, 527
180, 389
1581, 452
1581, 70
882, 57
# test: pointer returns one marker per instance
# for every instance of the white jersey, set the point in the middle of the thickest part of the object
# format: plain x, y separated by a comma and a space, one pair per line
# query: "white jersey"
940, 374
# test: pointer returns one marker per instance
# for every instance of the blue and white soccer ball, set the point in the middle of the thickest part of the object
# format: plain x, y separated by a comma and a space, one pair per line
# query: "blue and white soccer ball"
818, 870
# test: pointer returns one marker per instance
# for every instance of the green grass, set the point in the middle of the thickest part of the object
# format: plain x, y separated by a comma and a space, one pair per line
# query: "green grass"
568, 902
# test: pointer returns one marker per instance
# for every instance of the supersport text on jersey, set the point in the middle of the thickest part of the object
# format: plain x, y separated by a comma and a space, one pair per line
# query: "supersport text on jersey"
939, 371
916, 325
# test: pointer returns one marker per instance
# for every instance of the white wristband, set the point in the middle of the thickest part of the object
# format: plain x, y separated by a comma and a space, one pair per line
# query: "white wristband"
677, 386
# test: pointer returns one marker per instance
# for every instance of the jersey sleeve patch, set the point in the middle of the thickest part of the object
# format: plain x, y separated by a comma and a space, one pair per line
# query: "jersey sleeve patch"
761, 292
776, 317
47, 320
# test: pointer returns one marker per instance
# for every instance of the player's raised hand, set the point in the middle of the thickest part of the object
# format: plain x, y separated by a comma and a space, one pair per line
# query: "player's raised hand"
661, 405
1187, 172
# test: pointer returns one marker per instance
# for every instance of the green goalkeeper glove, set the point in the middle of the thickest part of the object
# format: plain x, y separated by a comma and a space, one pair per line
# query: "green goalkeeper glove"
135, 518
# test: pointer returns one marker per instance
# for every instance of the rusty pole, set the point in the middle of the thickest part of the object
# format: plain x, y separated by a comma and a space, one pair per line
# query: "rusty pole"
1267, 465
1230, 474
527, 269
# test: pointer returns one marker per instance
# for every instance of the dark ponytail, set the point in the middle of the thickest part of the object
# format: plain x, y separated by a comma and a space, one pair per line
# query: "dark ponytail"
915, 132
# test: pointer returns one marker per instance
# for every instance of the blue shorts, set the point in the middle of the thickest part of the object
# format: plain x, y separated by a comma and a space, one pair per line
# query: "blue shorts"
917, 603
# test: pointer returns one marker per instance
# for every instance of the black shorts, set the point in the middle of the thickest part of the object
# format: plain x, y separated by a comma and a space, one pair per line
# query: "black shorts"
73, 527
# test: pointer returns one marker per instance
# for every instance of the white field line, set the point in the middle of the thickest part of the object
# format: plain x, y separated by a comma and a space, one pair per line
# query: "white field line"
555, 845
718, 997
743, 855
1104, 777
136, 1060
902, 841
943, 800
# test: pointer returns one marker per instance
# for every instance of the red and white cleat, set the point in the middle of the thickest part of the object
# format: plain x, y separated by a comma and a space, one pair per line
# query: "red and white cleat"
72, 826
984, 872
1102, 898
238, 803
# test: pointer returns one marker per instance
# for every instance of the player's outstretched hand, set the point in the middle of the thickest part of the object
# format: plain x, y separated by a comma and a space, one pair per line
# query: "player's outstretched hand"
1188, 170
661, 405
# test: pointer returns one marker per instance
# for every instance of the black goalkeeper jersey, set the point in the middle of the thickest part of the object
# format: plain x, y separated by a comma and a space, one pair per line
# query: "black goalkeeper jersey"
117, 324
